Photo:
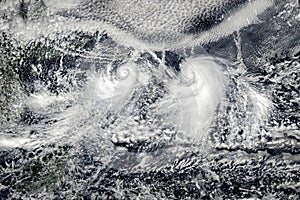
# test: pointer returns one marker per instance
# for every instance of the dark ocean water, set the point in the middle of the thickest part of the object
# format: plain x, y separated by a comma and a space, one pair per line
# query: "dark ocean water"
87, 111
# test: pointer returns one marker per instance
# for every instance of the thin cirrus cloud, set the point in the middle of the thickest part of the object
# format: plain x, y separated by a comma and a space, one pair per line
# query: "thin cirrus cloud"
142, 24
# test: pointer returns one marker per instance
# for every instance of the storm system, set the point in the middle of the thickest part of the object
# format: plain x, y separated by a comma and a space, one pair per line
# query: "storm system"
149, 99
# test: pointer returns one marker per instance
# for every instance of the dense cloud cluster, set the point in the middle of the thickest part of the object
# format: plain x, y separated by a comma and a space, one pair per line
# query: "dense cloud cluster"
64, 134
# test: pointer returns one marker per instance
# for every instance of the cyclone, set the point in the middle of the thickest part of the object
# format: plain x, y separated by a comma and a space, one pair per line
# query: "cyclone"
149, 99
